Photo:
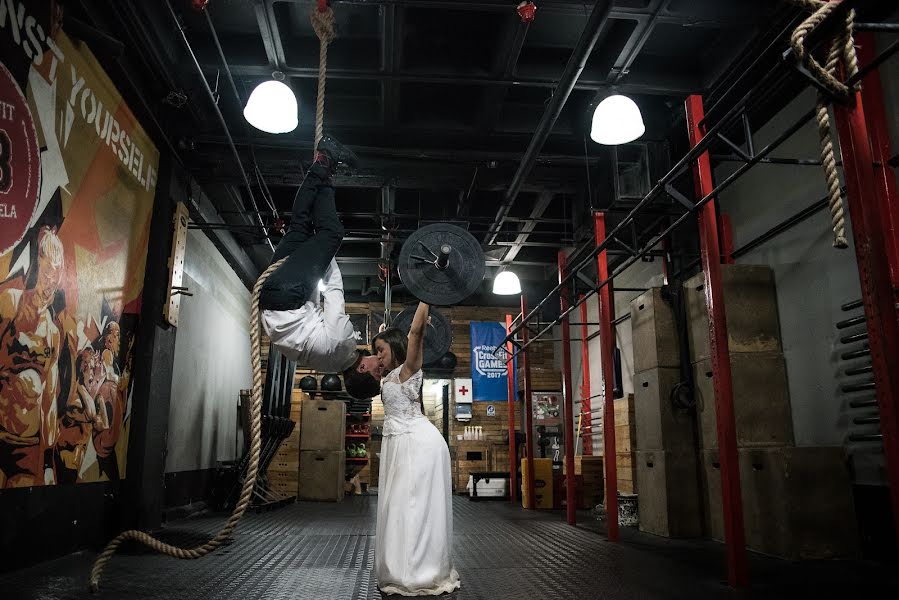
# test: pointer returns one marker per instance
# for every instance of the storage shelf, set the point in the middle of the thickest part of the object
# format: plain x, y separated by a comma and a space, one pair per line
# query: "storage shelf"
357, 435
357, 459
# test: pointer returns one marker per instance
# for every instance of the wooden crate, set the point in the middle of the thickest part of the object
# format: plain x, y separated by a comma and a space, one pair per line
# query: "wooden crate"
625, 437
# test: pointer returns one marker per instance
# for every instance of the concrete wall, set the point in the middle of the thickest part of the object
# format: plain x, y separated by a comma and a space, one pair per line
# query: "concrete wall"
813, 279
212, 360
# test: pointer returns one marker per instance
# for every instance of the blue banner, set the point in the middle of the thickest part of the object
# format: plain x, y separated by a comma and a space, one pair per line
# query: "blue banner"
489, 375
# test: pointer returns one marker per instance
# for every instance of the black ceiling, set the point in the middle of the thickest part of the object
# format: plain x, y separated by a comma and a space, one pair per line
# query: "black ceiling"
439, 98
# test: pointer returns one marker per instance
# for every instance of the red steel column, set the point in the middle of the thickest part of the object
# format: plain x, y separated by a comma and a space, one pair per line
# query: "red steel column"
878, 129
528, 411
872, 207
510, 374
568, 412
586, 400
727, 240
607, 361
710, 249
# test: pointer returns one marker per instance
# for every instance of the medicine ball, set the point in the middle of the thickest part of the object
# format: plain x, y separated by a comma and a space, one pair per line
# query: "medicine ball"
308, 383
447, 361
331, 383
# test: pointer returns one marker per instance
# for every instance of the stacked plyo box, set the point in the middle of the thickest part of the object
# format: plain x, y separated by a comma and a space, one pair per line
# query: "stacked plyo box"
667, 469
322, 454
797, 502
284, 470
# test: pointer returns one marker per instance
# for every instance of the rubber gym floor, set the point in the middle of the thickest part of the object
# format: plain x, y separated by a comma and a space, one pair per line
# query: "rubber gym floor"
326, 551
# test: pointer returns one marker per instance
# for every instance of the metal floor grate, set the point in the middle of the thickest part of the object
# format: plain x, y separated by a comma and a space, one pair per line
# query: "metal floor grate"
326, 551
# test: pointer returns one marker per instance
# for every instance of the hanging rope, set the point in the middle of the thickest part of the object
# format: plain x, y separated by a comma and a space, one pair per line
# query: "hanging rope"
841, 48
323, 24
249, 479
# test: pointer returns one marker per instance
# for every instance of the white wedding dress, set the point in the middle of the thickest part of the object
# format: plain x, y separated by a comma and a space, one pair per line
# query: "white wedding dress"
414, 534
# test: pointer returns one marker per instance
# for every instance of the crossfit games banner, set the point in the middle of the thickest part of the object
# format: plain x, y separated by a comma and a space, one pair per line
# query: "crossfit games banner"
77, 180
489, 374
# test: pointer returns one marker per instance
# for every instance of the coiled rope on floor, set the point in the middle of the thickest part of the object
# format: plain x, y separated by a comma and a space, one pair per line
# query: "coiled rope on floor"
842, 48
323, 23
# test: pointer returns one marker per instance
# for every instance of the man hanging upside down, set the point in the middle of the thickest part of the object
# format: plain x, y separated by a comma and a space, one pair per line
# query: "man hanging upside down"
320, 338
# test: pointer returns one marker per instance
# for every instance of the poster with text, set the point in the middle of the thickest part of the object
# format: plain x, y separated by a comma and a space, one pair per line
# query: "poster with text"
489, 373
77, 182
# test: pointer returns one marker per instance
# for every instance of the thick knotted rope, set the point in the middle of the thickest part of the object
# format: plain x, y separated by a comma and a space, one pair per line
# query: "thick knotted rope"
249, 480
323, 24
842, 48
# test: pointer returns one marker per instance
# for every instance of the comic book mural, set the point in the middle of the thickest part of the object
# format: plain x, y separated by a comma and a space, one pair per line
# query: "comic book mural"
77, 180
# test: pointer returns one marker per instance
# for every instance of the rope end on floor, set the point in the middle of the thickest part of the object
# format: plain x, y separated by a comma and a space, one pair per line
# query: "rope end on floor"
840, 242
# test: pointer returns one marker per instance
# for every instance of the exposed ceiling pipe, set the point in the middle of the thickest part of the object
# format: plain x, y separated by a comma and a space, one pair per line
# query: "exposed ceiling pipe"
566, 84
221, 119
388, 197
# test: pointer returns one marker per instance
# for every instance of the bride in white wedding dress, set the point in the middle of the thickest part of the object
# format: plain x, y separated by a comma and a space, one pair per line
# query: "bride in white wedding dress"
414, 535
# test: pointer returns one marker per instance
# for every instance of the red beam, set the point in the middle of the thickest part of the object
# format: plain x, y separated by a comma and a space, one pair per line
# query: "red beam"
586, 403
710, 249
885, 177
528, 410
510, 374
727, 240
870, 194
568, 412
607, 360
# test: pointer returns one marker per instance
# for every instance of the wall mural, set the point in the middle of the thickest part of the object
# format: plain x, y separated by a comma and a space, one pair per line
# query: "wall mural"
77, 180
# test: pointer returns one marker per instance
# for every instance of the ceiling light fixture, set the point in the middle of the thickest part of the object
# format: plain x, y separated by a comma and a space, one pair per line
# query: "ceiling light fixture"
272, 106
617, 120
506, 284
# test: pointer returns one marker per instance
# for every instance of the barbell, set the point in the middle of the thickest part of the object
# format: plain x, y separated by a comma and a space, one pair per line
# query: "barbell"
441, 264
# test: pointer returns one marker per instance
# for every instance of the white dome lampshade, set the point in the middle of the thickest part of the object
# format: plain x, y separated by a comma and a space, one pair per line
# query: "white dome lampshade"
506, 284
272, 108
617, 120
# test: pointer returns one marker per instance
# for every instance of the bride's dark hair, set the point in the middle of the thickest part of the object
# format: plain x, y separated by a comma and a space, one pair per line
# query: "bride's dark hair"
397, 340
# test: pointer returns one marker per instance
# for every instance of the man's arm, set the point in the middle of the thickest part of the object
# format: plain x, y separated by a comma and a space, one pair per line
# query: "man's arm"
337, 323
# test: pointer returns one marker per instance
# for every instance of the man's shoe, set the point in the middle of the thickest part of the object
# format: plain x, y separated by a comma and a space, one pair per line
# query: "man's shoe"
337, 153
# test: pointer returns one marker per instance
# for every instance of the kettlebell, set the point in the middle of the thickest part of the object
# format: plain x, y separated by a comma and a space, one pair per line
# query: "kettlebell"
361, 451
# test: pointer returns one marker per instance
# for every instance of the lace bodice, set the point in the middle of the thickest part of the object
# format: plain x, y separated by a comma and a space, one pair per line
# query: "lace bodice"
401, 407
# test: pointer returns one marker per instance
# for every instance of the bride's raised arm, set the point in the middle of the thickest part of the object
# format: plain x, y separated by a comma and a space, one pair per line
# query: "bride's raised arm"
415, 346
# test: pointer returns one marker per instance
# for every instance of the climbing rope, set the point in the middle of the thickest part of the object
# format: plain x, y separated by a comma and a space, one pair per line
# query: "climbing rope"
842, 48
323, 23
249, 479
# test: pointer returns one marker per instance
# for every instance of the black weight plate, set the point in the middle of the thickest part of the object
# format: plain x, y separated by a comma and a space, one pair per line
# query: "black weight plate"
433, 286
438, 336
